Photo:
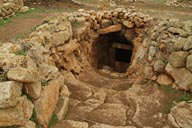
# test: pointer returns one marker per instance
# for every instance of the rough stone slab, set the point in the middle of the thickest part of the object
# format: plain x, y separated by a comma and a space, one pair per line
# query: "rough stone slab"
46, 104
108, 113
112, 28
18, 115
10, 92
182, 77
25, 75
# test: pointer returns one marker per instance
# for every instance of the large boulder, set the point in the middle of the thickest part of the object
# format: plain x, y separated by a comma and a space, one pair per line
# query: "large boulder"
182, 77
46, 104
25, 75
181, 116
18, 115
10, 93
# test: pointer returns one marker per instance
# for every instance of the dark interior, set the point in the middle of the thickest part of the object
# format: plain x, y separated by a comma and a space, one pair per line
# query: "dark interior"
114, 51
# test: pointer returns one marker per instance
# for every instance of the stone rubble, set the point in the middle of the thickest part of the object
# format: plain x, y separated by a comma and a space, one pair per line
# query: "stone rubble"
9, 8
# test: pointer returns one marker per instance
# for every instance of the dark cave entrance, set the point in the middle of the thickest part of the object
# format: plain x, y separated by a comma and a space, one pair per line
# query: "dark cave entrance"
113, 51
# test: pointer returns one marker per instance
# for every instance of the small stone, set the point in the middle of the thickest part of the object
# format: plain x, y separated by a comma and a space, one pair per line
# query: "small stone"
10, 93
178, 45
64, 91
164, 80
178, 59
105, 23
24, 75
159, 66
128, 24
24, 9
187, 45
61, 37
152, 50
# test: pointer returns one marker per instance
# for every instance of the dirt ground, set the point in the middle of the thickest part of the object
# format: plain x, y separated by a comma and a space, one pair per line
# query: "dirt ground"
21, 25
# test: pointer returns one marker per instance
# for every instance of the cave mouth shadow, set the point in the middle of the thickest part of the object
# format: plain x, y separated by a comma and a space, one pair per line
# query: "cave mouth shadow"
113, 51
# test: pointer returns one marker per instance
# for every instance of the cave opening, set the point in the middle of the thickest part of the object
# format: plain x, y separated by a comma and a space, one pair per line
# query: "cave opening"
113, 52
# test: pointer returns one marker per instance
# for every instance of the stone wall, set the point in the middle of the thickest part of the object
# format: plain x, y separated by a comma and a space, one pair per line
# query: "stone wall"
9, 8
170, 53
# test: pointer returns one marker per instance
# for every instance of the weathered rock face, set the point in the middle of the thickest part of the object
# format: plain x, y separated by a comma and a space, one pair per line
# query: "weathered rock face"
183, 82
46, 104
10, 93
180, 115
24, 75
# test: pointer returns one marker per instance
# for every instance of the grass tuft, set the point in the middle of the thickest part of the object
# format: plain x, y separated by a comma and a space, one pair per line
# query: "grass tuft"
20, 52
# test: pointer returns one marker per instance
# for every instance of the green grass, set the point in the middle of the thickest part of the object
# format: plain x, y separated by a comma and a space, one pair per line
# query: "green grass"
53, 120
44, 82
76, 24
20, 52
172, 95
35, 12
34, 119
